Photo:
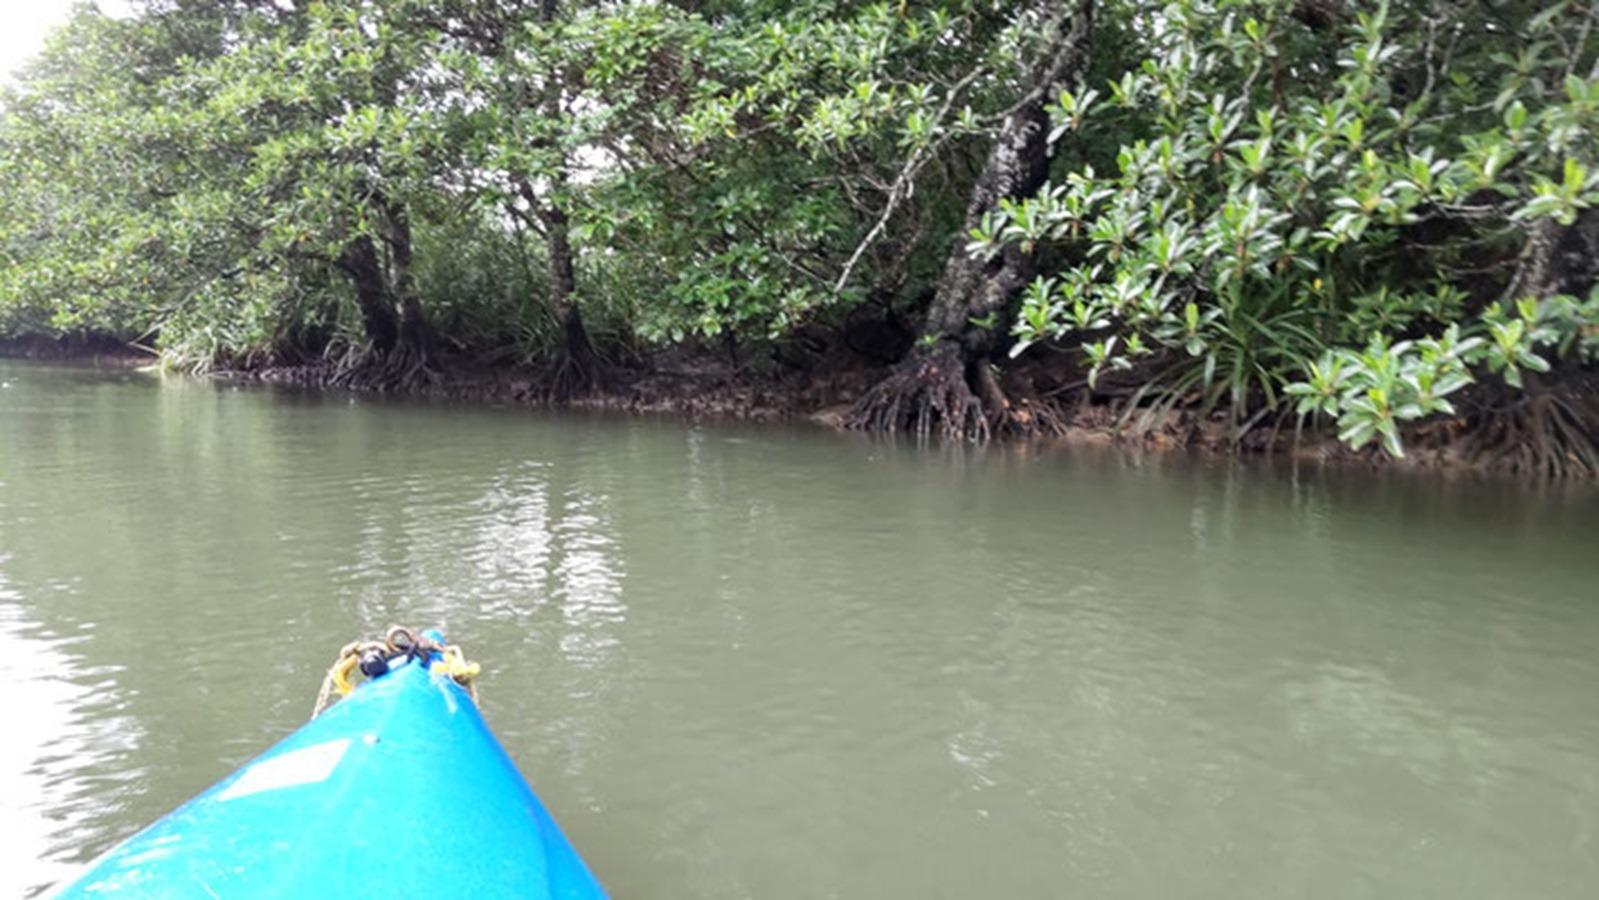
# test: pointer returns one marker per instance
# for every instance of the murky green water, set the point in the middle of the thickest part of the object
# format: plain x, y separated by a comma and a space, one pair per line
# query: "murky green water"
785, 664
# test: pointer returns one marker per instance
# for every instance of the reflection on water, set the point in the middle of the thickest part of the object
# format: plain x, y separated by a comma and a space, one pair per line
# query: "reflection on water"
768, 663
68, 755
511, 553
588, 587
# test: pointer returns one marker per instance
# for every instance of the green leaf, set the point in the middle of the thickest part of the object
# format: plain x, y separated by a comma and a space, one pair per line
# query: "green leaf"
1390, 438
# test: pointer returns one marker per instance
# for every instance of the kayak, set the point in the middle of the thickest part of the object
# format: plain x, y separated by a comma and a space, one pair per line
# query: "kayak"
399, 787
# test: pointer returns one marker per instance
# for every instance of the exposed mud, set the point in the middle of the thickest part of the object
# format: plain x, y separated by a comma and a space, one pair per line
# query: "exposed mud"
705, 389
691, 388
97, 350
709, 387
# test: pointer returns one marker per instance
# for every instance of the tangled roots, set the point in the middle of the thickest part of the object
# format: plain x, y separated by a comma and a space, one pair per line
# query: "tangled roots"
916, 396
930, 392
405, 368
1549, 435
572, 374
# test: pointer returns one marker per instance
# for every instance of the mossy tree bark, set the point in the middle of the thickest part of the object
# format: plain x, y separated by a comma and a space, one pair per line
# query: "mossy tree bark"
946, 384
400, 341
1549, 427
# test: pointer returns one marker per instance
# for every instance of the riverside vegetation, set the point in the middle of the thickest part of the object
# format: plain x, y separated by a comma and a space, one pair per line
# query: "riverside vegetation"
1209, 221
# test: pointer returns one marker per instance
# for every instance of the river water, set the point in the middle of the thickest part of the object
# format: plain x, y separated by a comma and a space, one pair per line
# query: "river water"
772, 663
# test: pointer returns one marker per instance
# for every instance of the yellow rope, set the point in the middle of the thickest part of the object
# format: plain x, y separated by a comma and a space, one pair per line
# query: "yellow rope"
342, 673
399, 642
453, 663
338, 676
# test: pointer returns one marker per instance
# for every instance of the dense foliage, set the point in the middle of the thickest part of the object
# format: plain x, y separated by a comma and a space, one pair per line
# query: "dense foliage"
1212, 215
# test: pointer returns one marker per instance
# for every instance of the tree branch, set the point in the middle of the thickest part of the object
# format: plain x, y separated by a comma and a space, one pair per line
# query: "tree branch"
905, 184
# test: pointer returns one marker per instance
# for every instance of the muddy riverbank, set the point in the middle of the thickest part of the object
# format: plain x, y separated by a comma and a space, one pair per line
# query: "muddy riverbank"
698, 386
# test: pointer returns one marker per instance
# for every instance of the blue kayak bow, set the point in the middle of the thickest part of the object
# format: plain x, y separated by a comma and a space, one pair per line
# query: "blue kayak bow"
400, 783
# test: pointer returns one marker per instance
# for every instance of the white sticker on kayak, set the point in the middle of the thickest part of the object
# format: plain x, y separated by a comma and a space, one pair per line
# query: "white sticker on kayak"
307, 765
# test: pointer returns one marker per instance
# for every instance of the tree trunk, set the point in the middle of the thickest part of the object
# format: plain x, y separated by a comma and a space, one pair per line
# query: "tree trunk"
945, 382
416, 335
1558, 259
576, 368
361, 263
563, 281
1550, 427
399, 349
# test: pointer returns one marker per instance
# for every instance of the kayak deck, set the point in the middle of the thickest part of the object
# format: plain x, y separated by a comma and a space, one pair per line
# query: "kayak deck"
402, 783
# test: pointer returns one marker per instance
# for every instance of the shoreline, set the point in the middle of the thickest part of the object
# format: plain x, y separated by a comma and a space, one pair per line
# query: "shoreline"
705, 389
97, 350
702, 389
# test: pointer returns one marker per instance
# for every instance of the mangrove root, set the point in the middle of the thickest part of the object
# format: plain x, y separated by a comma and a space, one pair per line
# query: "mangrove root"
1547, 435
